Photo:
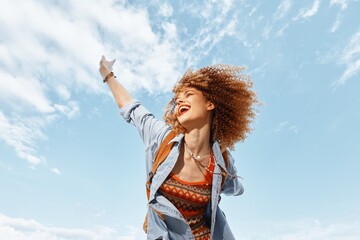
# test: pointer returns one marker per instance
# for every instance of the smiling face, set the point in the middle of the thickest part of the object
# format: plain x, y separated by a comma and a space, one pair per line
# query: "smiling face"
192, 109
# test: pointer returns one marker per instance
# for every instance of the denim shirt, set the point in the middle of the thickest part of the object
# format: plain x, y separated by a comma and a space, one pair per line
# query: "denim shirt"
174, 226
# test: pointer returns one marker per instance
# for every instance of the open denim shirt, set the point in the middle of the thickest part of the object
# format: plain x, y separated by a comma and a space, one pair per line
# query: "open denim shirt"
174, 226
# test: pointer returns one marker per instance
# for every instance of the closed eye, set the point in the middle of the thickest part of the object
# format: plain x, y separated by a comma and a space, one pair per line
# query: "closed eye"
186, 95
189, 93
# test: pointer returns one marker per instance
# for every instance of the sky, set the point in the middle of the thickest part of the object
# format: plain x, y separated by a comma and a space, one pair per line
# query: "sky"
72, 168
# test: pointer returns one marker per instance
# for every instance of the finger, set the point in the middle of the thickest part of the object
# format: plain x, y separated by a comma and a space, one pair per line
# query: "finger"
103, 60
112, 62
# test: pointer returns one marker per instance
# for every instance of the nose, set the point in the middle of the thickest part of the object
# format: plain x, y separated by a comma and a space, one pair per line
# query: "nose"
179, 101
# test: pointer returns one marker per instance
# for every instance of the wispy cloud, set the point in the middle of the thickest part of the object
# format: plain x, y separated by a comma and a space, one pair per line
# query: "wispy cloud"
61, 44
22, 134
71, 110
351, 58
336, 24
305, 229
342, 3
218, 21
280, 13
25, 229
5, 166
56, 171
253, 10
266, 32
133, 234
282, 9
285, 125
307, 13
166, 10
343, 6
25, 90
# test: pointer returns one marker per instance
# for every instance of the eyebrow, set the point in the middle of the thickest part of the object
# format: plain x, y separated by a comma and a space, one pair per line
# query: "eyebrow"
185, 92
189, 90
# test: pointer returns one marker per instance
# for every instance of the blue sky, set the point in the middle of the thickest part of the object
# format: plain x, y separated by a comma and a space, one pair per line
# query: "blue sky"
72, 168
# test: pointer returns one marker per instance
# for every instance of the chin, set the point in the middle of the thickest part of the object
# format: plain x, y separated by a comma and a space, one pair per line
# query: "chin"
183, 120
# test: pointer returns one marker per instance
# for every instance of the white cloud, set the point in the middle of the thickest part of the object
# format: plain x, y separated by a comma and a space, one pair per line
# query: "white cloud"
302, 229
21, 134
294, 128
56, 171
343, 6
218, 20
282, 9
283, 126
63, 92
166, 10
134, 234
63, 43
336, 24
24, 229
253, 10
266, 32
100, 213
5, 166
306, 229
351, 58
281, 31
307, 13
280, 126
342, 3
71, 110
23, 89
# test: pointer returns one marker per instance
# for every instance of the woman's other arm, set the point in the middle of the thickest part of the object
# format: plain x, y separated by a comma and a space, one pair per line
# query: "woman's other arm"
232, 184
121, 95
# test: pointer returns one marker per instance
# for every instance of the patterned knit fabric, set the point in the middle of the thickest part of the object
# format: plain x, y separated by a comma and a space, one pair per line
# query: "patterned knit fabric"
191, 198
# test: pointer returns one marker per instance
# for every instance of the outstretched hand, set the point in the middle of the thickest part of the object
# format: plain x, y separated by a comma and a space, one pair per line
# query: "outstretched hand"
105, 66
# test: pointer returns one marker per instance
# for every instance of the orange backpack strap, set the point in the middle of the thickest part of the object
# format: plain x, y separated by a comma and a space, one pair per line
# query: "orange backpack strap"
163, 151
224, 173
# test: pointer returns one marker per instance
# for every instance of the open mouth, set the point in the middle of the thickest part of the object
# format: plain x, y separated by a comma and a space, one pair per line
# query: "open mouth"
183, 109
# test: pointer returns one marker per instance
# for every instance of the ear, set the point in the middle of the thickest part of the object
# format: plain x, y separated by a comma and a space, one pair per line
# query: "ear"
210, 106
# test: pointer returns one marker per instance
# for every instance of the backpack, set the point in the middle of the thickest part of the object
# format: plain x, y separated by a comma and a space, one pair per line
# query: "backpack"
162, 153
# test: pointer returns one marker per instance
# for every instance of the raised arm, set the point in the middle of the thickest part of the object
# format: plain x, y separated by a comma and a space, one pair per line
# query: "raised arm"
121, 95
151, 130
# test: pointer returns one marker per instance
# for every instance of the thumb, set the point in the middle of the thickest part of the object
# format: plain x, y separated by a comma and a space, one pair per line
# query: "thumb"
112, 62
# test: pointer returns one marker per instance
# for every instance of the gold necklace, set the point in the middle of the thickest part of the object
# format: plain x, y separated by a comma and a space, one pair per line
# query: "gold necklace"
192, 155
196, 158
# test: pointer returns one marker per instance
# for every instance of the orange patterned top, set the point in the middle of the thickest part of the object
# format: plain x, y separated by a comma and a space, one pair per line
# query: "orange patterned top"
191, 198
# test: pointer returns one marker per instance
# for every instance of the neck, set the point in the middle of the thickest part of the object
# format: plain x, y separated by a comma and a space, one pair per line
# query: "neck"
198, 140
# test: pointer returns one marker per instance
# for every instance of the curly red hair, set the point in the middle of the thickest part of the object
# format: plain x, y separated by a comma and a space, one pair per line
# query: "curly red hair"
231, 93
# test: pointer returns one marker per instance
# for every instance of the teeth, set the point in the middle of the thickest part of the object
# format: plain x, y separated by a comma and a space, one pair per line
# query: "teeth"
183, 109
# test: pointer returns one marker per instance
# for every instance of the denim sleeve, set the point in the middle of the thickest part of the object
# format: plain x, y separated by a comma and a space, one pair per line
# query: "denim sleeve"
232, 185
151, 130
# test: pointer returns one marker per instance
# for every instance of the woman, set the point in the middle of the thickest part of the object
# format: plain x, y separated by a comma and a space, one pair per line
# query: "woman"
211, 111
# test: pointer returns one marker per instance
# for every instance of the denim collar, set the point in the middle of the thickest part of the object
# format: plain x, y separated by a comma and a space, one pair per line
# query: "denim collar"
215, 147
